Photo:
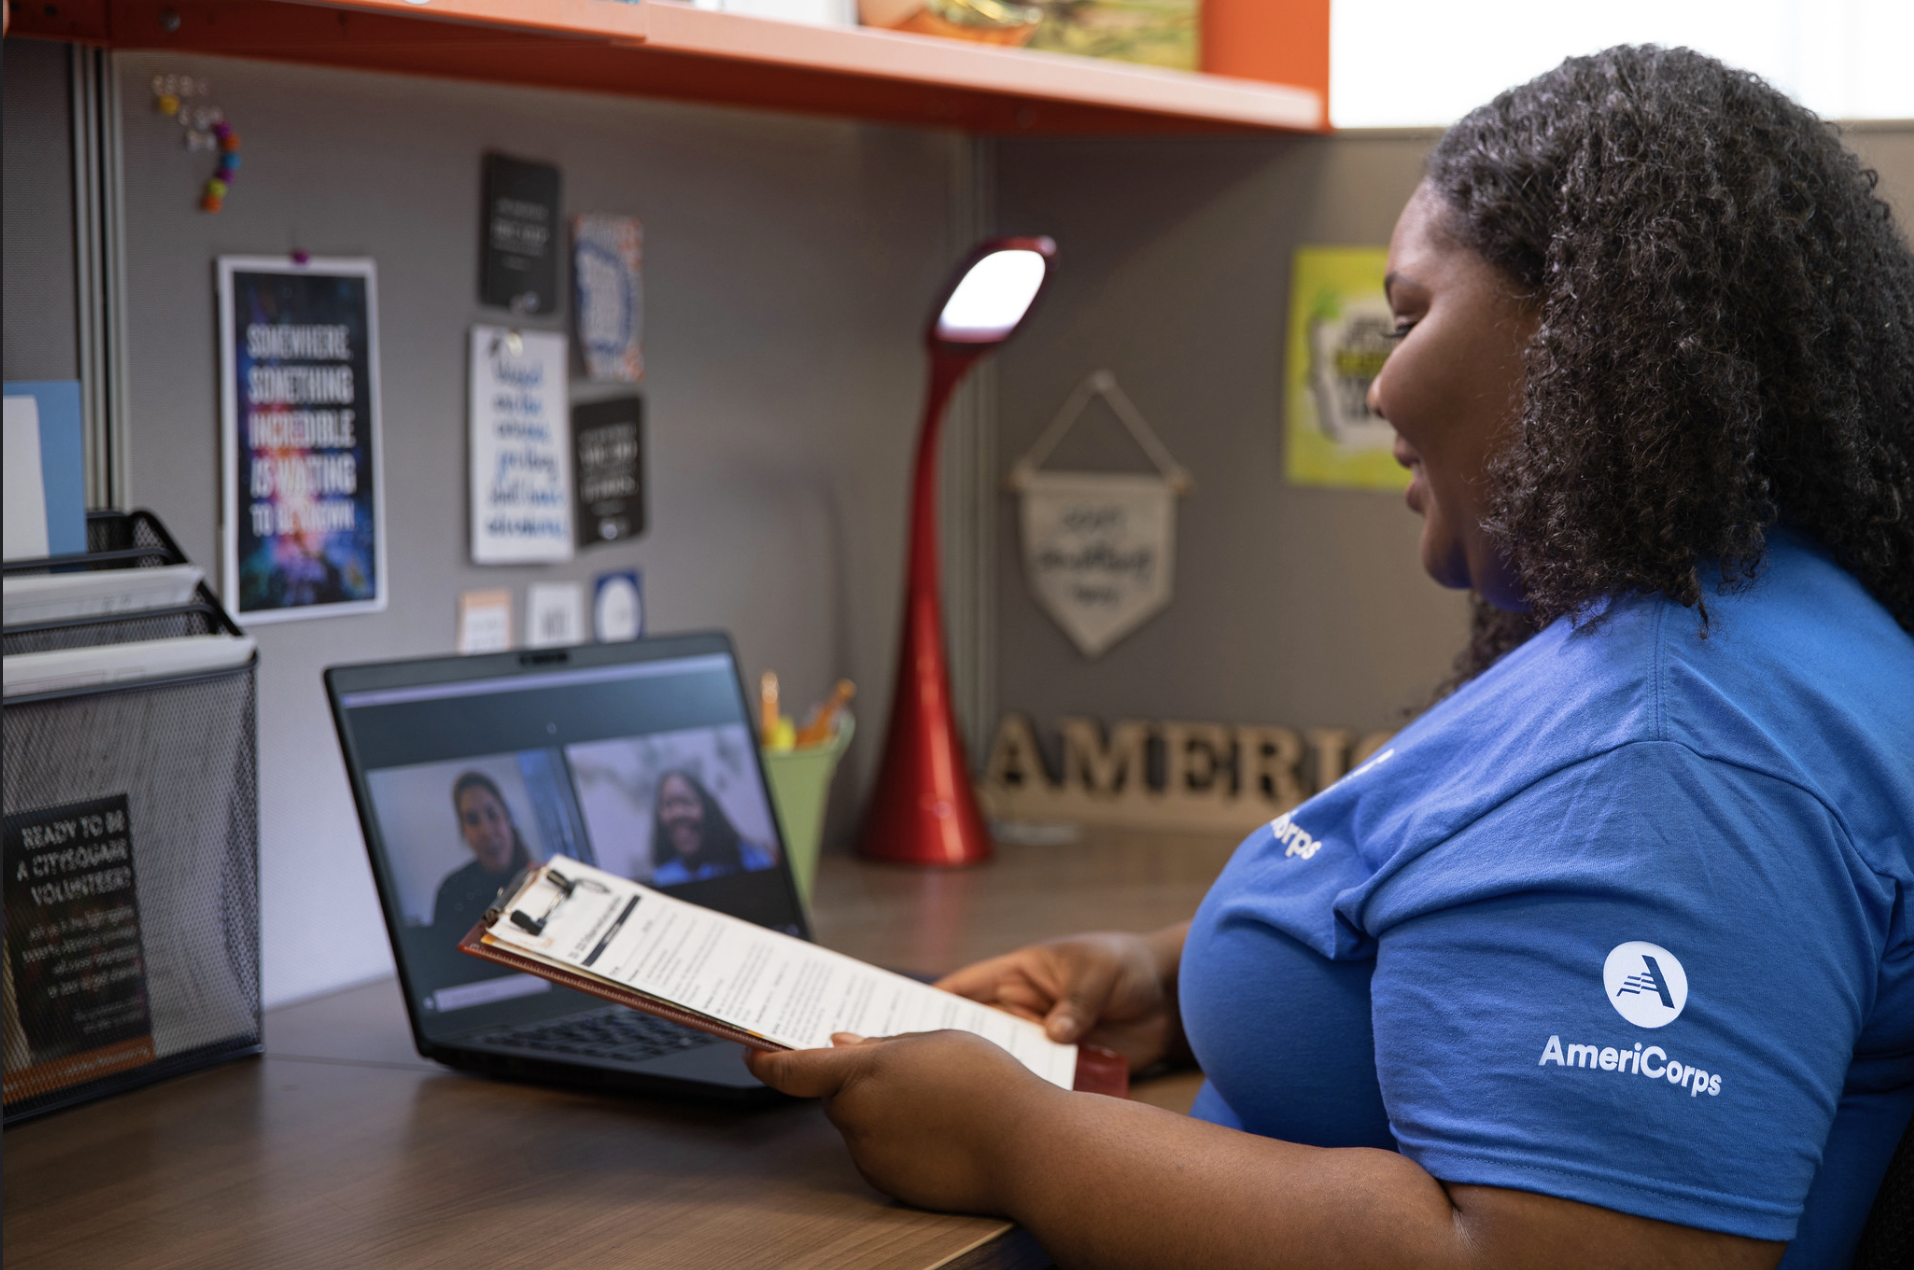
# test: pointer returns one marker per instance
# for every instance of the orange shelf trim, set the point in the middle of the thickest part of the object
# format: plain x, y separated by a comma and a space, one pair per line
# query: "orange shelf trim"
673, 50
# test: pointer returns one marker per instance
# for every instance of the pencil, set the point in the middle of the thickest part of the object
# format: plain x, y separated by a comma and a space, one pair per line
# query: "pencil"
767, 706
824, 721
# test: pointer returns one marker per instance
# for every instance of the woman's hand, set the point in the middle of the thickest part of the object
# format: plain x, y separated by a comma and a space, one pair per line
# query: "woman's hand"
931, 1117
947, 1120
1113, 990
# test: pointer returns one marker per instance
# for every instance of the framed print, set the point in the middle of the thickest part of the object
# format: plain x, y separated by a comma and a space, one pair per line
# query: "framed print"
302, 472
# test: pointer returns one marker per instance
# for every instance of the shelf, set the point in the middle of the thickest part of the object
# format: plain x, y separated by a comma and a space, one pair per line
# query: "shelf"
671, 50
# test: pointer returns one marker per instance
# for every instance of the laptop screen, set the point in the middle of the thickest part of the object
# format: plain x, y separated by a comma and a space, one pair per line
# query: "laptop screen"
643, 765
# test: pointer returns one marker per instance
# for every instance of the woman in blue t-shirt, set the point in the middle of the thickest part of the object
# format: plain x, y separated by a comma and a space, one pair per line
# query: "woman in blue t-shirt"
1608, 958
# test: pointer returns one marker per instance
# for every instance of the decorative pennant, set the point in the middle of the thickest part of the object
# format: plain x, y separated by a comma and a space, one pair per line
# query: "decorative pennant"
1099, 548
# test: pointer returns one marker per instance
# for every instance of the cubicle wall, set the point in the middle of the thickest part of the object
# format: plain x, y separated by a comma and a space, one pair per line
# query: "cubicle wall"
41, 338
788, 263
1302, 607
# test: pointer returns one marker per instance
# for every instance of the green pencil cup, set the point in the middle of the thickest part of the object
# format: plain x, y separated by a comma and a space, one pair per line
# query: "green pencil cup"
801, 787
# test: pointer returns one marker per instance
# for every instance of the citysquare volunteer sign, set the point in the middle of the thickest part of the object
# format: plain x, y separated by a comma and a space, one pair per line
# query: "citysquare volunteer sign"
302, 473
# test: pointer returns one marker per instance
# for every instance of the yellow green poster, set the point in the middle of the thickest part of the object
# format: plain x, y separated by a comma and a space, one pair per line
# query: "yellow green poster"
1339, 328
1154, 32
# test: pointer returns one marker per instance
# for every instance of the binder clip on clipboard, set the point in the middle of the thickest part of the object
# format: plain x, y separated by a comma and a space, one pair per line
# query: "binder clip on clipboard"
565, 886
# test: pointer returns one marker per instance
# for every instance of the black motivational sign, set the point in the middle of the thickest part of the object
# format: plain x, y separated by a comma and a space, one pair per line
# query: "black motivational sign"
608, 476
520, 267
76, 1008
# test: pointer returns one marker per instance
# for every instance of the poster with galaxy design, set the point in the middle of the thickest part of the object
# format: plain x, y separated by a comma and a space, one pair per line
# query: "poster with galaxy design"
299, 400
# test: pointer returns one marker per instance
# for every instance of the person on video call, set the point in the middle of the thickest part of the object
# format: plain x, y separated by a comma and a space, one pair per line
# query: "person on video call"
1608, 958
497, 854
691, 837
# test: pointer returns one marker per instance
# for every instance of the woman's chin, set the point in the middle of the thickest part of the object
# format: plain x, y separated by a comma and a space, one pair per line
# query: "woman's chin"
1442, 562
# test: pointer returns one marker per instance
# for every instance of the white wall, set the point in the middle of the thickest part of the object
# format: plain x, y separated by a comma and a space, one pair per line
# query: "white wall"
1396, 63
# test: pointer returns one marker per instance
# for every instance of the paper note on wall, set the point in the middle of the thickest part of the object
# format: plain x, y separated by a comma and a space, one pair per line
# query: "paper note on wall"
1339, 328
26, 503
554, 614
608, 291
520, 447
62, 460
618, 606
485, 621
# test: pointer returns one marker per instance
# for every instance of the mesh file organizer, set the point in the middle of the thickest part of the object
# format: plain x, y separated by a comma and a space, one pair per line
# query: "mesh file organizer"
132, 886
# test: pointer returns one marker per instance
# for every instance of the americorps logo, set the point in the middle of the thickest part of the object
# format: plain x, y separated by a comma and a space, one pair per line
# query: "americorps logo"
1647, 986
1645, 983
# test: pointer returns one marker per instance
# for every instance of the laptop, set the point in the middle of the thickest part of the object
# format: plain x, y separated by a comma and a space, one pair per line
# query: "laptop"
639, 758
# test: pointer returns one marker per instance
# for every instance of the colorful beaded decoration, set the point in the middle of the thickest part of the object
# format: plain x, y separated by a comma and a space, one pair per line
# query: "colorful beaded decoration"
206, 129
222, 180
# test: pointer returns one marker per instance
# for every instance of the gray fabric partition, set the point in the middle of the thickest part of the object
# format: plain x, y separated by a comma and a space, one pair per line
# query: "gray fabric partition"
788, 261
42, 338
1301, 607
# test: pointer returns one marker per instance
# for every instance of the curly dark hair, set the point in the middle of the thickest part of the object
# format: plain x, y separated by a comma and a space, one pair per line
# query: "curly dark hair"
1726, 336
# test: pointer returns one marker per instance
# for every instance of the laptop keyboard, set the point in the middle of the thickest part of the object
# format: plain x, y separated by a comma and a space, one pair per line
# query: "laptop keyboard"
629, 1036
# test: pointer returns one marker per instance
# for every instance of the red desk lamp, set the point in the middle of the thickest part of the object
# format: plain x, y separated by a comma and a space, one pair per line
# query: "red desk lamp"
924, 810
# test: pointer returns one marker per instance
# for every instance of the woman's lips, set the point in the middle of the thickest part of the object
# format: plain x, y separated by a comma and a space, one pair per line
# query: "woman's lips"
1406, 455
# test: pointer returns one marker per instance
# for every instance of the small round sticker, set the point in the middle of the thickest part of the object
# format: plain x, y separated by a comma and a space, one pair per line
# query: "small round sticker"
1645, 983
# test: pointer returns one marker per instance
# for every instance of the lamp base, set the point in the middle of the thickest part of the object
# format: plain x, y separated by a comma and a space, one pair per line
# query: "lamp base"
924, 808
913, 821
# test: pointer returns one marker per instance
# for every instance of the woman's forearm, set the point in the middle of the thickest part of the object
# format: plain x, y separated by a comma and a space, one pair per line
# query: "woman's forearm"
1105, 1182
1166, 946
1108, 1183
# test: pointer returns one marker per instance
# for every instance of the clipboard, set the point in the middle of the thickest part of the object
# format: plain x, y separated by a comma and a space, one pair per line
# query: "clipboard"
1098, 1070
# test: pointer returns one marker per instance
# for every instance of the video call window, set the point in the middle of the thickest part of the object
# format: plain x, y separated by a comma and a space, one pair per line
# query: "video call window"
461, 829
666, 809
646, 770
675, 807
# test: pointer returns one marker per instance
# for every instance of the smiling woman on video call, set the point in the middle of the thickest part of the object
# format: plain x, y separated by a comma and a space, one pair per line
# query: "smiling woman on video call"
691, 837
1606, 959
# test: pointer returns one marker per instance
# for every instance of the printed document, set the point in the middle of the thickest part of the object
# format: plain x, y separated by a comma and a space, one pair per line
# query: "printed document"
772, 985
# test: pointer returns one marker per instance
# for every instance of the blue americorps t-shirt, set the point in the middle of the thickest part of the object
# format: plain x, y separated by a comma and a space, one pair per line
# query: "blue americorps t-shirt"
1629, 916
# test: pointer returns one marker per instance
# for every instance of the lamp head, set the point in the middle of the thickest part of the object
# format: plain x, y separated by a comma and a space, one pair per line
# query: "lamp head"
990, 294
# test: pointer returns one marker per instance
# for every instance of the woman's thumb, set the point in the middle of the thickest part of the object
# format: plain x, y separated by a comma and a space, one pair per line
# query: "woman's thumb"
1066, 1021
1077, 1009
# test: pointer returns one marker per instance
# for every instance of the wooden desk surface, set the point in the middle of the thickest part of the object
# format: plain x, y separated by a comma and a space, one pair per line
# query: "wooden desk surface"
342, 1147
